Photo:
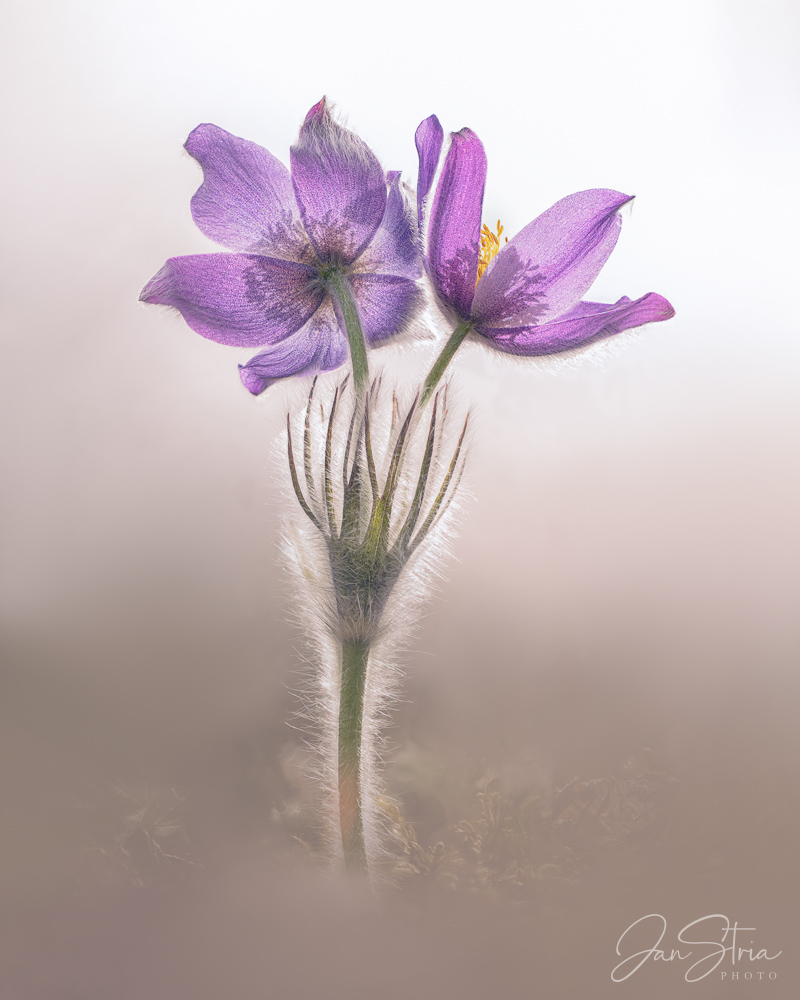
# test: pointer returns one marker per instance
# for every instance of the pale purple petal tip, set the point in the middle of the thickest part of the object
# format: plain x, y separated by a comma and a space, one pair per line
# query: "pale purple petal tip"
246, 201
584, 324
319, 347
244, 300
428, 140
552, 262
339, 186
455, 223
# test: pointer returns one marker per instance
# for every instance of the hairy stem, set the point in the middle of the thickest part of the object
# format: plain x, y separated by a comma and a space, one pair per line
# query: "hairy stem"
338, 286
444, 359
355, 656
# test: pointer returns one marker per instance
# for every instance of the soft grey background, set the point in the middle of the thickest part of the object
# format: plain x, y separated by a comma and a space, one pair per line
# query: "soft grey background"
626, 575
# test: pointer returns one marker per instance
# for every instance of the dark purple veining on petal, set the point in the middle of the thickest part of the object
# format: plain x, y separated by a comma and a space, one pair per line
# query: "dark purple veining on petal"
455, 223
282, 291
339, 186
518, 288
244, 300
566, 247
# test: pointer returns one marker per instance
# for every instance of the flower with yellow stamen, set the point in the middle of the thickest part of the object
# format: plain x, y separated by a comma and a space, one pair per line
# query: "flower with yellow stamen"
490, 246
529, 301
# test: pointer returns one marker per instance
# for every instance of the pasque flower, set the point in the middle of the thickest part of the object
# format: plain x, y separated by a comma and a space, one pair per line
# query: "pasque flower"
318, 251
523, 298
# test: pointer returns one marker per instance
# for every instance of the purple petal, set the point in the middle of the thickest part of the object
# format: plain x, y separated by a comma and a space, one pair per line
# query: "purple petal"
585, 323
455, 224
428, 140
386, 303
339, 186
246, 201
319, 347
394, 248
548, 266
241, 299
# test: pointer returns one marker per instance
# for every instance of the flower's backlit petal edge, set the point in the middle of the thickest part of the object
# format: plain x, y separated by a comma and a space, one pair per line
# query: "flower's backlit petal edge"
552, 262
246, 201
320, 346
339, 186
428, 140
244, 300
584, 324
455, 222
394, 249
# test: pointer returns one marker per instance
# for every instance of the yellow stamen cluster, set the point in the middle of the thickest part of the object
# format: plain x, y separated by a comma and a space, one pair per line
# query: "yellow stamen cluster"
490, 247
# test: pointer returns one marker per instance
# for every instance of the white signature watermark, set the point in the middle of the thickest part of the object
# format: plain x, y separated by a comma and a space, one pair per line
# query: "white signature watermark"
718, 938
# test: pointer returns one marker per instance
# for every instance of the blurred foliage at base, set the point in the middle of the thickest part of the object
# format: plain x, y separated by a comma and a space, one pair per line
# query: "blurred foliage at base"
454, 829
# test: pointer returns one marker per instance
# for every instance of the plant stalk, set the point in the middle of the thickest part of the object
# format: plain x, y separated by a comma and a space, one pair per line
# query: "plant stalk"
355, 656
444, 359
337, 284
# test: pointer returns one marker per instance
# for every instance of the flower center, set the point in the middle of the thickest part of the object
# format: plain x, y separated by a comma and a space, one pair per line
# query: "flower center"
490, 247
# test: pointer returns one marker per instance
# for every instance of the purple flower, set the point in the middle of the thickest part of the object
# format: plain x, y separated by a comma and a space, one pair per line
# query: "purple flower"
336, 218
526, 297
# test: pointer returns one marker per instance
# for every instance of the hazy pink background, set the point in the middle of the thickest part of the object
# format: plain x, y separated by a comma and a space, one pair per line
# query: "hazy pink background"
625, 577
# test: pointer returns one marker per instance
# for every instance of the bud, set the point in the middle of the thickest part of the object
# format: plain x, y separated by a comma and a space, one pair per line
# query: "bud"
373, 513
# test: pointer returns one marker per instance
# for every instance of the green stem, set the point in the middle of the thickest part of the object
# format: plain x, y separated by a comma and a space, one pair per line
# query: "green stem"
355, 656
444, 359
337, 284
